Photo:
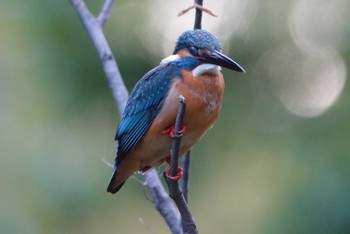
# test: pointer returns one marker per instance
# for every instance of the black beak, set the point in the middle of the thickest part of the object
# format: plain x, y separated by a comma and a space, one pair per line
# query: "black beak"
220, 59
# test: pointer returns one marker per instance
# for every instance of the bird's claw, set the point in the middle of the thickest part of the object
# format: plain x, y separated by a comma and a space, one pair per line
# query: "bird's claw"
179, 174
177, 177
172, 133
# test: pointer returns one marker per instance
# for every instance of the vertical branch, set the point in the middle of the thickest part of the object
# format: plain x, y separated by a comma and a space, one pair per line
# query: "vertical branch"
186, 159
174, 154
175, 192
198, 17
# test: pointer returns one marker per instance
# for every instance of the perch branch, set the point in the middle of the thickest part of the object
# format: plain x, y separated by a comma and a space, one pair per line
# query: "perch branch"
175, 192
120, 94
105, 11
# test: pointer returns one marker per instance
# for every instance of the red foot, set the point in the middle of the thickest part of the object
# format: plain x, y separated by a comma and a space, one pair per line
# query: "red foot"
171, 131
178, 175
179, 171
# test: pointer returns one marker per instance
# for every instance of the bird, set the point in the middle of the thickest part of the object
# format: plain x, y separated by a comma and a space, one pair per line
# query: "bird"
145, 131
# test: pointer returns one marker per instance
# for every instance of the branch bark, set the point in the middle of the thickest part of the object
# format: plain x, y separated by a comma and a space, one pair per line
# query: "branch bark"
105, 11
175, 192
163, 202
186, 159
94, 26
198, 17
110, 67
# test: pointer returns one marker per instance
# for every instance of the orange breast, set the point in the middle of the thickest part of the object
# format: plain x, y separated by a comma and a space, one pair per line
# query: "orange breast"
203, 98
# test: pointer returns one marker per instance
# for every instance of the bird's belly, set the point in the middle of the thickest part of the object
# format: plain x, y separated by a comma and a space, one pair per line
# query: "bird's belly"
154, 148
198, 119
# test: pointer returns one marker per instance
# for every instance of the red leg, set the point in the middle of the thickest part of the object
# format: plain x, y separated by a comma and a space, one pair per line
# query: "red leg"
179, 171
171, 131
178, 175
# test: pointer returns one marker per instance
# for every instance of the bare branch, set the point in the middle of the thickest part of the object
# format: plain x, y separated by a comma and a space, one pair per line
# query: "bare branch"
206, 10
108, 164
198, 17
82, 10
105, 11
110, 66
186, 159
174, 153
181, 13
175, 192
162, 202
199, 7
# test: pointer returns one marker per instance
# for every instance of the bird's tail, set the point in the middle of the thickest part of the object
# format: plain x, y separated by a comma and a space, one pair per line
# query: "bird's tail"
115, 184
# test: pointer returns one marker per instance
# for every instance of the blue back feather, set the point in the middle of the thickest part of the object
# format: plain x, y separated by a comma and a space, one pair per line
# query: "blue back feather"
143, 105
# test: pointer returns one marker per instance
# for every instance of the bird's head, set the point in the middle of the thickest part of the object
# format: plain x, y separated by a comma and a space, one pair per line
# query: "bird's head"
205, 47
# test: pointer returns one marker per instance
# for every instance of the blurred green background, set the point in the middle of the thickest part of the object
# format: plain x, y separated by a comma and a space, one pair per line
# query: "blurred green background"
277, 161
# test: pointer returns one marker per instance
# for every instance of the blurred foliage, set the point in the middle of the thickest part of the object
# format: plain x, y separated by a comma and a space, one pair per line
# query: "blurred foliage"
264, 168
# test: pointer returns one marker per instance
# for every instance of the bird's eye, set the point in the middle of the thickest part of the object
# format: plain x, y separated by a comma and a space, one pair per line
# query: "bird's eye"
202, 52
193, 50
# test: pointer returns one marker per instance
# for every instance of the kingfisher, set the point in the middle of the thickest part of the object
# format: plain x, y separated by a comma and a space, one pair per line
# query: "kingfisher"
146, 129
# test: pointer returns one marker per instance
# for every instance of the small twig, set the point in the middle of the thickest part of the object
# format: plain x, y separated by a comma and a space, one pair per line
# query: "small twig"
186, 159
195, 5
175, 192
104, 13
143, 223
108, 164
184, 11
206, 10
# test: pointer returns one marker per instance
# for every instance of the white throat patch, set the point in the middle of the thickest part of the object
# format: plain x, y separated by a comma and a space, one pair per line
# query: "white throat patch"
169, 59
199, 70
206, 68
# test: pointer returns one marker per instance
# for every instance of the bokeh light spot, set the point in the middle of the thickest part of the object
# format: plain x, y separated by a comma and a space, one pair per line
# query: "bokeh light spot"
234, 17
307, 86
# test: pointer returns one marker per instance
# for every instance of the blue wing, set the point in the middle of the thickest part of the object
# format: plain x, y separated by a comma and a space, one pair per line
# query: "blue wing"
143, 105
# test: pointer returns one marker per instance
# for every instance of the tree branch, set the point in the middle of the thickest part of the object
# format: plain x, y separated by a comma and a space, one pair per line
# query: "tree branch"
199, 7
104, 13
104, 52
198, 17
162, 202
186, 159
93, 26
175, 192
